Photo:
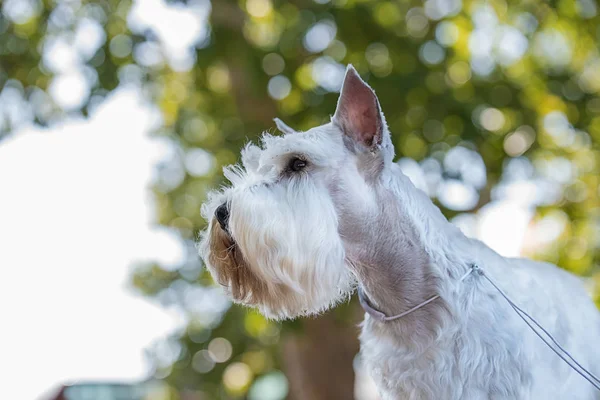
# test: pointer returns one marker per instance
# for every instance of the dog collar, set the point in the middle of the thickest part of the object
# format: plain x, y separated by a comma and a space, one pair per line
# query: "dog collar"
380, 316
364, 303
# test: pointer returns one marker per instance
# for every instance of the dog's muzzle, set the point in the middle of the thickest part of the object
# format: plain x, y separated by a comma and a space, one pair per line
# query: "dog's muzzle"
222, 216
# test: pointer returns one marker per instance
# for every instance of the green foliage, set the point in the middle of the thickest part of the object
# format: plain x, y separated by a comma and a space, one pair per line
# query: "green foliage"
543, 64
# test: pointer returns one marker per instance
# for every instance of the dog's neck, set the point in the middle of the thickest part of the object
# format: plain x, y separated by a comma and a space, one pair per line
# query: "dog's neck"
413, 254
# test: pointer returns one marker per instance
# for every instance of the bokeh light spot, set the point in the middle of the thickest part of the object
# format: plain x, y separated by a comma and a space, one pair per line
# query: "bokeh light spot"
417, 23
198, 162
378, 57
263, 34
552, 49
459, 73
89, 36
218, 79
273, 64
21, 11
589, 79
69, 90
492, 119
202, 362
433, 130
259, 8
255, 324
467, 165
446, 33
120, 46
279, 87
511, 46
431, 53
455, 195
319, 36
377, 54
438, 9
273, 386
220, 349
328, 73
387, 14
237, 377
257, 360
518, 142
148, 54
587, 8
336, 50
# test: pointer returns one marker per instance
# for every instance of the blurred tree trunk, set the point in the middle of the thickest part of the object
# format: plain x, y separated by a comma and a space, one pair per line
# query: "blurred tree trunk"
319, 361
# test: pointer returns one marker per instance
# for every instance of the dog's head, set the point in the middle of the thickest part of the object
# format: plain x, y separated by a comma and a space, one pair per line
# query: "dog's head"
277, 238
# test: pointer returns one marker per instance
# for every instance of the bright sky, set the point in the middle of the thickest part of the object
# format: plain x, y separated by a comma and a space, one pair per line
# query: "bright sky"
75, 215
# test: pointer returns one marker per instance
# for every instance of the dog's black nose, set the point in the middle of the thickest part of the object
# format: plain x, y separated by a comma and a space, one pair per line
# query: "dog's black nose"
222, 215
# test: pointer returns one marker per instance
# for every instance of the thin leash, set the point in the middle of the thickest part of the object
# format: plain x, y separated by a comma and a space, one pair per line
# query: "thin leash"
378, 315
591, 378
569, 360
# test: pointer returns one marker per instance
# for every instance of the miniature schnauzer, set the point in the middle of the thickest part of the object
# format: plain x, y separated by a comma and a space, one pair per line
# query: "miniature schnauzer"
310, 216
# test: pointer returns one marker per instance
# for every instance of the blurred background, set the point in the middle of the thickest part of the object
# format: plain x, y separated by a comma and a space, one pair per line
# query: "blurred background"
117, 116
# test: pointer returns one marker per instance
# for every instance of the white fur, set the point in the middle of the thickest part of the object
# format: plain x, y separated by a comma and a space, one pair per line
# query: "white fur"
274, 223
352, 216
483, 350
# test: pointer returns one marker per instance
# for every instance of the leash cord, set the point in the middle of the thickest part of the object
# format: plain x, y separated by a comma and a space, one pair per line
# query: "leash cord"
591, 378
528, 319
378, 315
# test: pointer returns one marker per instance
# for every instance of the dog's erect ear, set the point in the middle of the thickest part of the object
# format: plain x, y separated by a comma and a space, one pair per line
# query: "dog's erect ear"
358, 113
283, 127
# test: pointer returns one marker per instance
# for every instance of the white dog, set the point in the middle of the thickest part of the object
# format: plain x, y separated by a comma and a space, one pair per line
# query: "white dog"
311, 215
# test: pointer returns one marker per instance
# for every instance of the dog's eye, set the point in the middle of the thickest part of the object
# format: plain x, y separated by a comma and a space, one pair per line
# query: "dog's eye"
297, 164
